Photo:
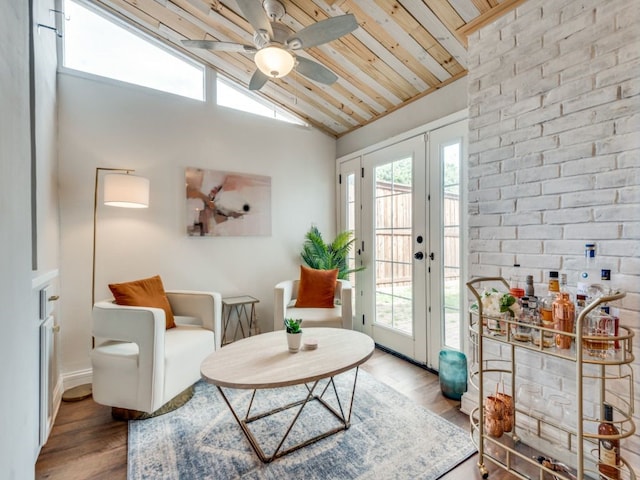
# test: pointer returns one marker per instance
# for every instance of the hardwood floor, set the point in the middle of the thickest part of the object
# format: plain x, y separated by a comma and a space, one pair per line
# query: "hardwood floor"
86, 443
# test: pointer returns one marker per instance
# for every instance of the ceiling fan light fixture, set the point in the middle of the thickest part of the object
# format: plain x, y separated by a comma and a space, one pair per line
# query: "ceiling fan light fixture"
274, 62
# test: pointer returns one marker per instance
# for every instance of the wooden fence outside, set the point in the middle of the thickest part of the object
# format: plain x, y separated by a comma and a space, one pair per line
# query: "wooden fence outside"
394, 244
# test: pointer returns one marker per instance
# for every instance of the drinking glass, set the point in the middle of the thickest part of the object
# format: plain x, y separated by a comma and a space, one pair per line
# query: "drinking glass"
558, 408
598, 324
521, 331
530, 397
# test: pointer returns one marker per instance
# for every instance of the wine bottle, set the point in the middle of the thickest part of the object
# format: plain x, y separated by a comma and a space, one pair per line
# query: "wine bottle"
546, 307
608, 448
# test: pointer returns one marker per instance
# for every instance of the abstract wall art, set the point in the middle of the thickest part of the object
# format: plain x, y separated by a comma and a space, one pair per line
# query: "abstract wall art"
227, 203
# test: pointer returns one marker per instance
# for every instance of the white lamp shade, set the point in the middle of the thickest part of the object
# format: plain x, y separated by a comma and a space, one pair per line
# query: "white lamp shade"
124, 190
274, 61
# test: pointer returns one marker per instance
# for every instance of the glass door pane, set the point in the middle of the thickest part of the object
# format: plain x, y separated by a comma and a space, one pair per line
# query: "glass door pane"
393, 254
451, 244
350, 217
349, 201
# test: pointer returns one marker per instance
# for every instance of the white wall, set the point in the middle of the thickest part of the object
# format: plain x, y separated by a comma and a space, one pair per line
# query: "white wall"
46, 185
439, 104
554, 114
17, 346
46, 64
19, 341
108, 124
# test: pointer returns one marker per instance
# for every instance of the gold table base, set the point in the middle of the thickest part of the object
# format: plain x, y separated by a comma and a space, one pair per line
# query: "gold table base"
345, 420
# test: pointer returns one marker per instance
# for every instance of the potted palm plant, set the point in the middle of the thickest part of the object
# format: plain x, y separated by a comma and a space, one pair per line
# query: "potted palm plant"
320, 255
294, 333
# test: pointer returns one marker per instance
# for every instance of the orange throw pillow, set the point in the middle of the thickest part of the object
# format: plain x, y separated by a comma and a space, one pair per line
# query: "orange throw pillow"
316, 288
148, 292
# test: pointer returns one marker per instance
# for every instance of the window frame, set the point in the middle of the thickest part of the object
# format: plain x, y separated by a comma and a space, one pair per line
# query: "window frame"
278, 110
210, 76
153, 40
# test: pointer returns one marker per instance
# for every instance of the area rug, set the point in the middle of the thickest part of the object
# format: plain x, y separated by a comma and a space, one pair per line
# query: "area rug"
389, 438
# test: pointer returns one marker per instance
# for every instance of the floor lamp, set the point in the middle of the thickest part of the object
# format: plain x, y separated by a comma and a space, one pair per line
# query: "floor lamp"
121, 189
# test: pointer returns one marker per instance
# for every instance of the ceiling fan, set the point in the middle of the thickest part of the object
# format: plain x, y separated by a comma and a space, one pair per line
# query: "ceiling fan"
275, 44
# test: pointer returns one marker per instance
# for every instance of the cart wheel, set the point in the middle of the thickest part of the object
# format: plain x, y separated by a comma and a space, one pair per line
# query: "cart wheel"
483, 470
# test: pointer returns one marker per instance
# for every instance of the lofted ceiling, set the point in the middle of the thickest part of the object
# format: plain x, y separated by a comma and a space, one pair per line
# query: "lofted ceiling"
401, 51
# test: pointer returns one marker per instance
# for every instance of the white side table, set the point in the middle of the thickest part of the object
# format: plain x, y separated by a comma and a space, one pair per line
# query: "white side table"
242, 310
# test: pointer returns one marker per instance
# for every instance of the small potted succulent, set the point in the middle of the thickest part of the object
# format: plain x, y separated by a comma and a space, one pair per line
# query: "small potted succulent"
294, 333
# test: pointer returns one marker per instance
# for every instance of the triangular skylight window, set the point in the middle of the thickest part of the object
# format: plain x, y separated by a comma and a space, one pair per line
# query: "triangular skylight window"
100, 44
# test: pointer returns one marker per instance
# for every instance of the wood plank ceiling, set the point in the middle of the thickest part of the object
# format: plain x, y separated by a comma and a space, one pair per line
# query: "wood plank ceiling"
402, 50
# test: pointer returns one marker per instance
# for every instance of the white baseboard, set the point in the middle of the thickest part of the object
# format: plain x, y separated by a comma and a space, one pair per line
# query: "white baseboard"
79, 377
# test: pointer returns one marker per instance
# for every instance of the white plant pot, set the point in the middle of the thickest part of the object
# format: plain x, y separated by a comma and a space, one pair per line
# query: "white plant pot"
294, 340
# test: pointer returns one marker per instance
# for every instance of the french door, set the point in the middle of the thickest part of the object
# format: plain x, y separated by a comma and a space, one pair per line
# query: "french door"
395, 246
446, 329
349, 200
403, 202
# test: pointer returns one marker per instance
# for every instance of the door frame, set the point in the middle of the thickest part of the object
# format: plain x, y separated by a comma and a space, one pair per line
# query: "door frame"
358, 154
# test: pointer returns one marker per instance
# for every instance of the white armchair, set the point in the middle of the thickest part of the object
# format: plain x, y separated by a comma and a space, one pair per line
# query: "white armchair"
139, 367
340, 316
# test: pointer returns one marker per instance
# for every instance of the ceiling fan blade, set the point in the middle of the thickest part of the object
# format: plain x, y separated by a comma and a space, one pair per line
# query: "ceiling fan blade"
315, 71
219, 46
323, 32
255, 15
257, 80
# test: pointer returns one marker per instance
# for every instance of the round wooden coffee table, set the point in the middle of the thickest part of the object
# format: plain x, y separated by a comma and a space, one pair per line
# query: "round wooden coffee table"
264, 362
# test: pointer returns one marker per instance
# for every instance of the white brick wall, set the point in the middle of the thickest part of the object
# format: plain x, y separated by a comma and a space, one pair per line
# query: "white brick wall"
554, 143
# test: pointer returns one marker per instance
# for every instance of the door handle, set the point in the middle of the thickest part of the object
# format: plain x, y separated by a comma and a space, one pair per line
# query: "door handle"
418, 255
431, 255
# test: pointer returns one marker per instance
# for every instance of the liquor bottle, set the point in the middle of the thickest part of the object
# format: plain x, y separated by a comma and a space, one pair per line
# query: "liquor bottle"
564, 288
546, 308
516, 290
608, 289
528, 316
533, 316
615, 314
528, 288
590, 275
552, 292
605, 281
608, 448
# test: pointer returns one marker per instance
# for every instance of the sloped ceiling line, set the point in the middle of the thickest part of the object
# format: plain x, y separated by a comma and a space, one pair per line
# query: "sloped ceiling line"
403, 50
